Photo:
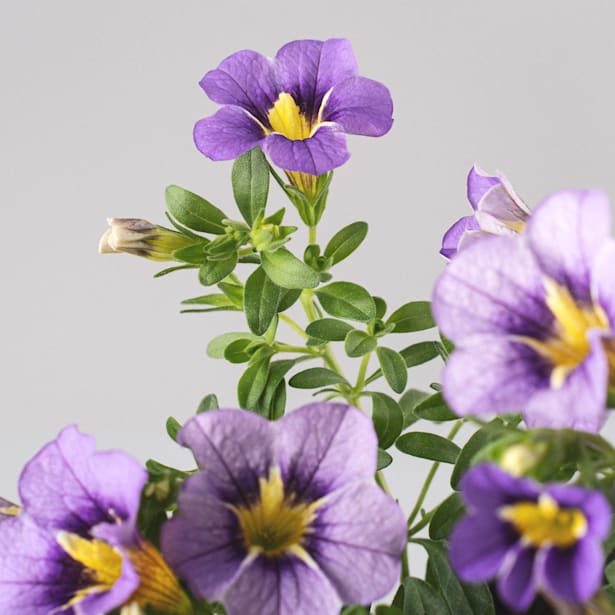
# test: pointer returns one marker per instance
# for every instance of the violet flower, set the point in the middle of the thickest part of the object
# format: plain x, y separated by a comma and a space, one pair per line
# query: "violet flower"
497, 211
74, 549
285, 518
532, 317
531, 537
296, 106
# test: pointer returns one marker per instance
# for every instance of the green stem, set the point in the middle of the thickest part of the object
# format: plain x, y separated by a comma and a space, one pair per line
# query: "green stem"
282, 347
405, 567
429, 478
312, 234
294, 325
358, 387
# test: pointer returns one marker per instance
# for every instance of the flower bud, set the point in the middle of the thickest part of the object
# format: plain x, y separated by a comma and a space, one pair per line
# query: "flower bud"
519, 459
141, 238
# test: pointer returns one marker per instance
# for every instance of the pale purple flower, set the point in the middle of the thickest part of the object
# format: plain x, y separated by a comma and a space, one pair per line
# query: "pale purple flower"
297, 106
74, 548
285, 518
530, 537
498, 210
532, 317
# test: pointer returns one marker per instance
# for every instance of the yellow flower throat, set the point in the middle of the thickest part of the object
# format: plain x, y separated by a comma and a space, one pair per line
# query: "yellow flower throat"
545, 523
286, 118
276, 524
569, 346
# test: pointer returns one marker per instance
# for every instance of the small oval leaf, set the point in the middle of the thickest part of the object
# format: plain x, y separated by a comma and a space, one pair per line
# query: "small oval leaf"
347, 300
315, 377
194, 211
287, 271
428, 446
412, 316
345, 241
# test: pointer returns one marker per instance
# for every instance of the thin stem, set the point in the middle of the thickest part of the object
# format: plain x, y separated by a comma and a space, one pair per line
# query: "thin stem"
405, 567
358, 387
312, 234
382, 482
282, 347
429, 478
419, 525
294, 325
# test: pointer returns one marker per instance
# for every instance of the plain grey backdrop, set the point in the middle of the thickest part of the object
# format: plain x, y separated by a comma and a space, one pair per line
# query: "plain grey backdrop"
97, 105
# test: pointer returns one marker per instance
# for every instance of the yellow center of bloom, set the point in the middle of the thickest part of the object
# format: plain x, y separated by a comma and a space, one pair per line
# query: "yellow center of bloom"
276, 523
286, 118
545, 523
102, 564
569, 346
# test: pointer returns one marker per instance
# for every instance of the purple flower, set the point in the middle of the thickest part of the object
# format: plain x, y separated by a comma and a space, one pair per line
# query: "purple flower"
285, 517
497, 211
532, 537
75, 549
532, 317
297, 106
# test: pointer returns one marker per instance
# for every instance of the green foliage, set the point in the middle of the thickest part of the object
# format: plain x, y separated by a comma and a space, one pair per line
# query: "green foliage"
384, 459
209, 402
393, 367
316, 377
345, 242
445, 517
359, 343
329, 329
217, 346
347, 300
434, 408
173, 426
261, 300
194, 212
287, 271
422, 599
388, 419
250, 180
412, 316
215, 270
428, 446
408, 402
252, 384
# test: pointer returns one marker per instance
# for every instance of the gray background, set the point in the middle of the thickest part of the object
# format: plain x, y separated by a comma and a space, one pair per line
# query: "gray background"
97, 104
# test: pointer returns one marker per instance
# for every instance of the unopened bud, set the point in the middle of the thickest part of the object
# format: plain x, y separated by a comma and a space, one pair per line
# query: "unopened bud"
521, 458
141, 238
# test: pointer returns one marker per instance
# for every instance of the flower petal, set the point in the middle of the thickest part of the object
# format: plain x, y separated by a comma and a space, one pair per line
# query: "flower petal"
202, 543
603, 280
308, 69
244, 79
517, 585
452, 237
281, 586
566, 232
70, 486
227, 134
234, 447
324, 151
492, 286
492, 374
486, 487
361, 107
573, 574
317, 447
36, 575
359, 553
478, 546
478, 183
580, 403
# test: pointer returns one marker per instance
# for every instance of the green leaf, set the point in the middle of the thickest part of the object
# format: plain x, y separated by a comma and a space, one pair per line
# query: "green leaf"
287, 271
381, 307
388, 419
419, 353
345, 242
238, 351
288, 297
234, 292
215, 348
252, 384
347, 300
194, 211
217, 299
359, 343
477, 441
393, 367
446, 515
213, 271
168, 270
272, 393
413, 316
408, 402
428, 446
422, 599
260, 299
194, 254
315, 377
434, 408
384, 459
461, 598
173, 427
250, 179
328, 329
209, 402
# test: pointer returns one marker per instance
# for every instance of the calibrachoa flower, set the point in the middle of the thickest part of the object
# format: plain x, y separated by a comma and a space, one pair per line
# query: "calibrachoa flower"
285, 517
531, 537
497, 211
532, 317
74, 549
296, 106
